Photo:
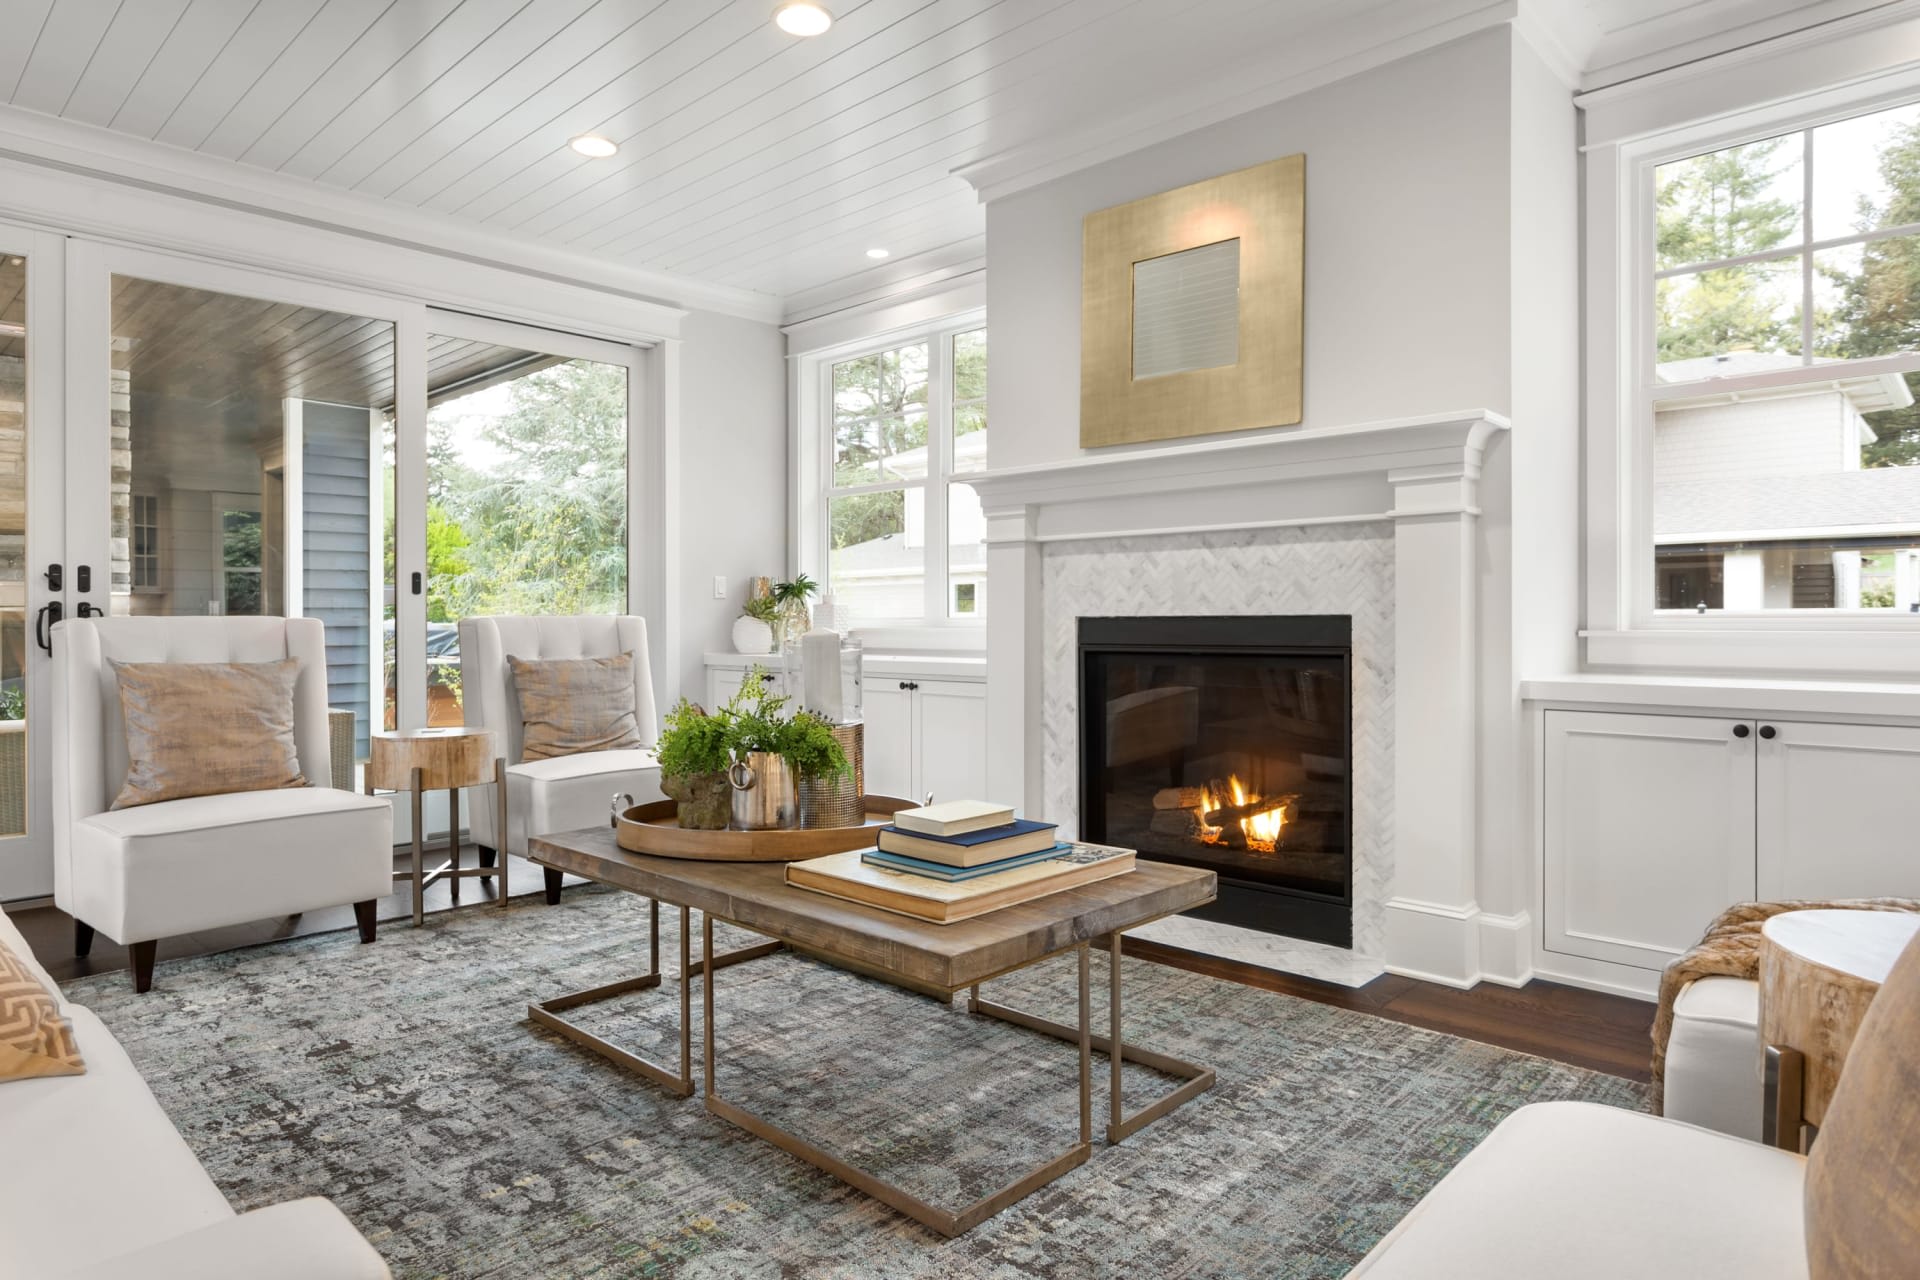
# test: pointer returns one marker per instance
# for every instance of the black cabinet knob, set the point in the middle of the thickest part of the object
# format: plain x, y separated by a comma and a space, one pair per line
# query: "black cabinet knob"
1741, 731
905, 685
1768, 731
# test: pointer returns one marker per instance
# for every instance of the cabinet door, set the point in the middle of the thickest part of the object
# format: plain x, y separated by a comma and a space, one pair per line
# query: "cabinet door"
950, 728
1838, 805
1649, 831
888, 711
722, 684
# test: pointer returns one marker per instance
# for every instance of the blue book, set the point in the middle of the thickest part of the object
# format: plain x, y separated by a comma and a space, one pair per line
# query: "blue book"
940, 871
973, 848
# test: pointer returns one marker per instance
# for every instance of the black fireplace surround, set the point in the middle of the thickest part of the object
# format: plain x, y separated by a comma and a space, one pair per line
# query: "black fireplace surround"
1227, 743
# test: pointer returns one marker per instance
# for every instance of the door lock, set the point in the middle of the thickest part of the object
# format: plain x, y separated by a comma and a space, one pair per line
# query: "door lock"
50, 613
83, 579
53, 576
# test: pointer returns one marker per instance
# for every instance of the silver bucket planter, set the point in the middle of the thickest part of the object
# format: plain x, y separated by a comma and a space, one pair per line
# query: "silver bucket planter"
838, 800
764, 795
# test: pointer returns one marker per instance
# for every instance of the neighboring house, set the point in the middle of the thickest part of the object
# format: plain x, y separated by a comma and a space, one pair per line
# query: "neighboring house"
1760, 500
883, 577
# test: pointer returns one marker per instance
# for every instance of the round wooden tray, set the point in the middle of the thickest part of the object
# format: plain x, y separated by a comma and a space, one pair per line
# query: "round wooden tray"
655, 828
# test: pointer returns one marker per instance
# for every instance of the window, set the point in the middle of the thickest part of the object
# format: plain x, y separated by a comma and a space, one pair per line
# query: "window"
905, 538
145, 530
1783, 325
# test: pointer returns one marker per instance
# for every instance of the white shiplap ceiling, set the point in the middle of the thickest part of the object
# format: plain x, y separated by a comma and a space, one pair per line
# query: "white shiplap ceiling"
749, 159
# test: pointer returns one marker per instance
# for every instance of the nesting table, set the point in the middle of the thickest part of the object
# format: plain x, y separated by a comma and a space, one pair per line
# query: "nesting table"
942, 960
423, 760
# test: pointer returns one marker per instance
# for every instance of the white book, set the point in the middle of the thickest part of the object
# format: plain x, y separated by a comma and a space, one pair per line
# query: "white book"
954, 817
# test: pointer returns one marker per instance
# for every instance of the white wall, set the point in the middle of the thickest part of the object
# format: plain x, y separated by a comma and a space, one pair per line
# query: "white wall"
733, 475
1407, 248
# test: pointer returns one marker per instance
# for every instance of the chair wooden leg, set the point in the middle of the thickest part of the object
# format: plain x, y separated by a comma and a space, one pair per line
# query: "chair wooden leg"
82, 937
553, 886
487, 858
142, 954
366, 915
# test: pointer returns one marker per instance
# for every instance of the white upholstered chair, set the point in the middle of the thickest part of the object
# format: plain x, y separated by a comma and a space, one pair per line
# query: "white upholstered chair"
159, 870
568, 791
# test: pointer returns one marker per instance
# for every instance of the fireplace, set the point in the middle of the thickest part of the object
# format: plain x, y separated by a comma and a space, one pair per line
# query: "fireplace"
1226, 743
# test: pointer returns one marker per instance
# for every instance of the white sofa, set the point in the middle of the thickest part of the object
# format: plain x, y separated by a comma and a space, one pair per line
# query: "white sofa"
95, 1183
180, 866
571, 791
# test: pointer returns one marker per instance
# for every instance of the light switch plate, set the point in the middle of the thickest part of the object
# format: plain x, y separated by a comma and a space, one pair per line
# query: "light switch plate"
719, 587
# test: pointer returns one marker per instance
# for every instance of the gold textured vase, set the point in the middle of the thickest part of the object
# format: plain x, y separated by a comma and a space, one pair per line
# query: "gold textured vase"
839, 801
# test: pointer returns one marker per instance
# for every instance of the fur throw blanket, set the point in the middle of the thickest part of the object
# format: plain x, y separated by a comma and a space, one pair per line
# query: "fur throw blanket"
1731, 948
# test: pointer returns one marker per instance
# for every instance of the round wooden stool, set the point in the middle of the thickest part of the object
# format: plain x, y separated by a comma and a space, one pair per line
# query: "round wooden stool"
1819, 970
423, 760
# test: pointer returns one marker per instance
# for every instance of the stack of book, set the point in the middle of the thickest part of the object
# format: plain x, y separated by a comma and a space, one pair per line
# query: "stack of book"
954, 861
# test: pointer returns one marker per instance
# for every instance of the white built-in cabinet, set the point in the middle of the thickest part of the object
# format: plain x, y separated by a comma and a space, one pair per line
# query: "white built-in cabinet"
1654, 823
926, 727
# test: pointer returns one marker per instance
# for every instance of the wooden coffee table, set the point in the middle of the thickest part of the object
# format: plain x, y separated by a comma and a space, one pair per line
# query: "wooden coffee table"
940, 960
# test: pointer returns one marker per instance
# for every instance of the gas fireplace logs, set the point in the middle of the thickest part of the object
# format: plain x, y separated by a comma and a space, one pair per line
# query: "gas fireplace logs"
1223, 812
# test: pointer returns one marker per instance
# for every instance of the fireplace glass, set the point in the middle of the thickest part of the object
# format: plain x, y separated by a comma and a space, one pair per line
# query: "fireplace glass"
1225, 743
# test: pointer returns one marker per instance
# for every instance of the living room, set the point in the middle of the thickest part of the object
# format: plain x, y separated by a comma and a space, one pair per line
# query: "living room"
502, 772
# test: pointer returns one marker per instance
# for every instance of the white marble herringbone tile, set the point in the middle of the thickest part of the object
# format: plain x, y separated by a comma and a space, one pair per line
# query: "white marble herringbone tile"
1338, 569
1264, 950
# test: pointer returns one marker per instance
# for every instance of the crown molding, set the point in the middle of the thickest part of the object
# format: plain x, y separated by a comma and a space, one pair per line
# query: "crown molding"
901, 280
154, 166
1562, 33
1613, 70
1334, 53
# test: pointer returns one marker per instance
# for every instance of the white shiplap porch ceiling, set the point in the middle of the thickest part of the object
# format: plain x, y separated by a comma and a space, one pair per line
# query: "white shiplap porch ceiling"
750, 160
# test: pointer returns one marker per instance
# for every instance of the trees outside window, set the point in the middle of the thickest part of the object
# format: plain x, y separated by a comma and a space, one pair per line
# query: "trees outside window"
1788, 267
905, 535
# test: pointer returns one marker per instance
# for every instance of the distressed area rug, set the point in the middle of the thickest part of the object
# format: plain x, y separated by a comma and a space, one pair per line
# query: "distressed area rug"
402, 1081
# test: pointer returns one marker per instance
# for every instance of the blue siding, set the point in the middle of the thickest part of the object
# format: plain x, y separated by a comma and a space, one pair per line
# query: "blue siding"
337, 500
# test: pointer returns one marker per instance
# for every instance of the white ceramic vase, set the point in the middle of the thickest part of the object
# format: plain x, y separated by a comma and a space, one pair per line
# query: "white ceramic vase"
750, 635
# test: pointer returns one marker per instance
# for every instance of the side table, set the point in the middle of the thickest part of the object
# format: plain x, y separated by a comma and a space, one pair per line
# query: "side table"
1819, 970
422, 760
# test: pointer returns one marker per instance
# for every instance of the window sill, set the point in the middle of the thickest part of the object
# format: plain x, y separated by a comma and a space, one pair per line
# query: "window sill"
1857, 652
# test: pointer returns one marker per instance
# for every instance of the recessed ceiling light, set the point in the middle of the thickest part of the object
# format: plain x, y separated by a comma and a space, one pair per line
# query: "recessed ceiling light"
592, 144
802, 19
877, 254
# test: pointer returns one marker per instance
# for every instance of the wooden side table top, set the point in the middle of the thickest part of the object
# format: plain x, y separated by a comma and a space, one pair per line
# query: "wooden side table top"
948, 957
1819, 970
446, 758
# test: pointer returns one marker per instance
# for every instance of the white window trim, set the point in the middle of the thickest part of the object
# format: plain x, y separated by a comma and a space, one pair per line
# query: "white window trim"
812, 394
1623, 630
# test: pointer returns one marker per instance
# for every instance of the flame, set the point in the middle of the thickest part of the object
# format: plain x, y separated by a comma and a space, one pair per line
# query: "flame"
1261, 831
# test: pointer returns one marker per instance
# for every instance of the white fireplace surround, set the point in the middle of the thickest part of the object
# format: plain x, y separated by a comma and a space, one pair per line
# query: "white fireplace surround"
1417, 477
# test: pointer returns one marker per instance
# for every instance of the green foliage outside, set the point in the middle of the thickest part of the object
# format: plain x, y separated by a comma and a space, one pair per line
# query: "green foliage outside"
13, 703
1721, 206
540, 528
1712, 207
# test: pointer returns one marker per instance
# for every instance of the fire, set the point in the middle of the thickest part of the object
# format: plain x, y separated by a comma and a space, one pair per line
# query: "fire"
1259, 831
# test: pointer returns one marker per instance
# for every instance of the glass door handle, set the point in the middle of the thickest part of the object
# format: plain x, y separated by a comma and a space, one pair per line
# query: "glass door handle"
50, 613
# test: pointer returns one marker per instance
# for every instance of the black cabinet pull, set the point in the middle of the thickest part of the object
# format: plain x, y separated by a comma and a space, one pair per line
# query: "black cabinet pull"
1741, 731
1768, 731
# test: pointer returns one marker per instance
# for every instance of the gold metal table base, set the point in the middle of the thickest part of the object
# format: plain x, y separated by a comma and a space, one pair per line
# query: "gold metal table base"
419, 875
1197, 1079
546, 1012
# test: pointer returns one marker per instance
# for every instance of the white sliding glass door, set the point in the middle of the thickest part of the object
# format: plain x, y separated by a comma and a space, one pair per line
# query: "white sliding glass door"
31, 275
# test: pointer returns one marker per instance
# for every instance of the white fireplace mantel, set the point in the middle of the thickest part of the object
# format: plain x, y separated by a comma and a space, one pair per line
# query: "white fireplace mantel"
1422, 475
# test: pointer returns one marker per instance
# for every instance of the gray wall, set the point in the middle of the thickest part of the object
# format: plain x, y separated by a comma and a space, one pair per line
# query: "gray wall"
733, 477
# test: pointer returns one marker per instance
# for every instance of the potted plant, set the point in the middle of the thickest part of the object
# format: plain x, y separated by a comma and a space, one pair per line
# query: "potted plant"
777, 757
753, 629
694, 754
791, 598
823, 775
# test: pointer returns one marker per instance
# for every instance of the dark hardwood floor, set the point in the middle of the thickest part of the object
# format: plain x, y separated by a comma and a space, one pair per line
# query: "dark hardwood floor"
1567, 1024
1583, 1028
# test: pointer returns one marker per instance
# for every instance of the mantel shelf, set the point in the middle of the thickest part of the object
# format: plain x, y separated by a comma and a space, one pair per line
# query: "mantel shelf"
1356, 449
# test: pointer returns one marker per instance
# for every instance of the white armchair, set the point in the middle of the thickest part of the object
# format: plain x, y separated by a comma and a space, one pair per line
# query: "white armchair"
568, 791
159, 870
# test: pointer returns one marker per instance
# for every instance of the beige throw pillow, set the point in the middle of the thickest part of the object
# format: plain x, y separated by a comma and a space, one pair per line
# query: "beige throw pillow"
207, 728
1863, 1176
35, 1040
573, 705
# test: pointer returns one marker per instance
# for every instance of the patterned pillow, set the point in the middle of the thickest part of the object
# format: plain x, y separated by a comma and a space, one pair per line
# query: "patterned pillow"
207, 728
574, 705
35, 1040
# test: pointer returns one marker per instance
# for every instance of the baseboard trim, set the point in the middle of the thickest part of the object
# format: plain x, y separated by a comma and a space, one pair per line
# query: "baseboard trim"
1458, 945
